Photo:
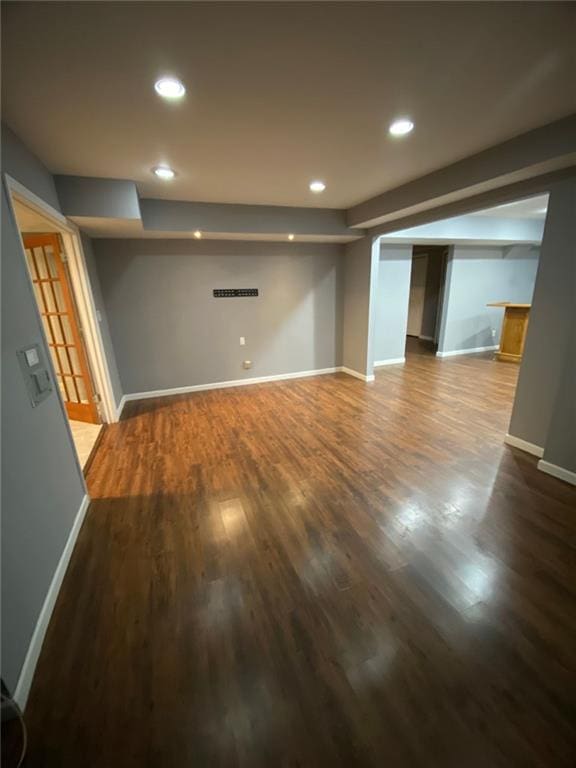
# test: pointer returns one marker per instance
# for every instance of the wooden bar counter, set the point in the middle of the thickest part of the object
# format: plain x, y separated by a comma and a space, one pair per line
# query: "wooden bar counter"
514, 330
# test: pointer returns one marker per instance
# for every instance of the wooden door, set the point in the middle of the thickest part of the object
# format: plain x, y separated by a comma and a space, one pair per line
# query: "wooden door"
56, 304
417, 291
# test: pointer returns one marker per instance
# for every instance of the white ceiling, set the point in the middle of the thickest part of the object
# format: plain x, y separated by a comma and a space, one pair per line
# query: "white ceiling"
279, 94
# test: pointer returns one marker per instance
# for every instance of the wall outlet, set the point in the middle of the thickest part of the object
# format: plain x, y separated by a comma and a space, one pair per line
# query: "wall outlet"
242, 341
247, 363
493, 333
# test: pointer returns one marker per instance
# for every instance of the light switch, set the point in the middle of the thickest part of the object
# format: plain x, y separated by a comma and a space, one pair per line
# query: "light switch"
32, 357
35, 373
42, 381
242, 341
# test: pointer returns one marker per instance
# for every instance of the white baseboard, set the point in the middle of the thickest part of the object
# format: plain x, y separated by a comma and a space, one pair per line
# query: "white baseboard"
120, 407
471, 351
391, 361
426, 338
226, 384
33, 653
524, 445
558, 472
357, 374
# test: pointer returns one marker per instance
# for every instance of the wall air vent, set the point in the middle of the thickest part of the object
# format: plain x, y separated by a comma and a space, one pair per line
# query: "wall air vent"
227, 293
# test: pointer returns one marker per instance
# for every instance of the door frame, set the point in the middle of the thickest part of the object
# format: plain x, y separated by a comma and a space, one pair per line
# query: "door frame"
81, 287
423, 256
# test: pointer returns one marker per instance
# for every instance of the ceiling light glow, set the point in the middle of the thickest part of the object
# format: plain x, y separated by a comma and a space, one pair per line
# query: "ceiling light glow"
164, 172
317, 186
401, 127
169, 88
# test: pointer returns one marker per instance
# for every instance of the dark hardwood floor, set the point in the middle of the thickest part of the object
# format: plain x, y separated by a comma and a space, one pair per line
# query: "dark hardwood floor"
318, 572
416, 346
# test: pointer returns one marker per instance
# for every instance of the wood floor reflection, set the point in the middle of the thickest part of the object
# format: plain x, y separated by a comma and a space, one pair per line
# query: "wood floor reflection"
317, 572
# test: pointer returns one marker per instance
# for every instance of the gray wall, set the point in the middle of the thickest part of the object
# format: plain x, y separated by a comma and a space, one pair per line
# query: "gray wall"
168, 330
552, 320
181, 216
23, 166
360, 293
391, 308
476, 277
83, 196
560, 448
42, 486
104, 325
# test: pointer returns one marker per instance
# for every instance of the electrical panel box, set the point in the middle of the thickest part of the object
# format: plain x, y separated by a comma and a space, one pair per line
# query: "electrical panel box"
36, 373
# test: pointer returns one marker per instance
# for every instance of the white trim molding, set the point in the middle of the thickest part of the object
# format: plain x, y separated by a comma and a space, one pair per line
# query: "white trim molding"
33, 653
357, 374
391, 361
90, 323
35, 202
237, 383
471, 351
524, 445
559, 472
426, 338
120, 407
224, 385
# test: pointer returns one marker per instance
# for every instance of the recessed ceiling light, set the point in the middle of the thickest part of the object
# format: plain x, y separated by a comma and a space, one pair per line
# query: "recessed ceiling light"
401, 127
198, 234
290, 237
169, 88
165, 173
317, 186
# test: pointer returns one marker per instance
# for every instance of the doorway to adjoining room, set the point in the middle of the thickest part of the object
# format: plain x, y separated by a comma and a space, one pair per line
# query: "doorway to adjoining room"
57, 302
424, 300
459, 291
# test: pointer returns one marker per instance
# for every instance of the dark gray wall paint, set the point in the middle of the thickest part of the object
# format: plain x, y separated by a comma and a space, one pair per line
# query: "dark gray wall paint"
360, 292
478, 276
551, 320
104, 325
42, 486
24, 167
391, 308
168, 330
560, 448
434, 272
91, 197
